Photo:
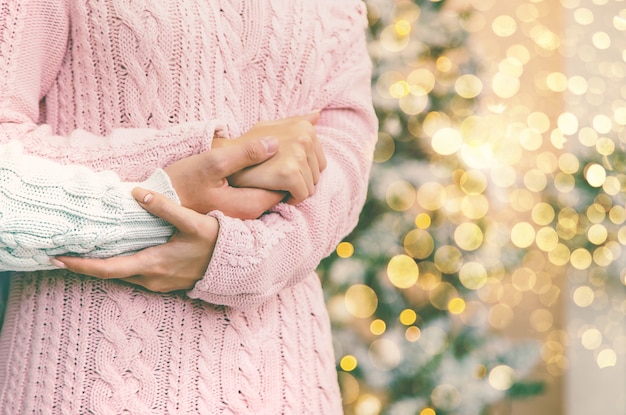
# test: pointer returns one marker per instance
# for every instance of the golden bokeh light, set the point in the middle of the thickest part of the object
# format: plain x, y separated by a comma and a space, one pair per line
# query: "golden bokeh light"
522, 234
541, 320
350, 388
591, 339
448, 259
413, 334
473, 275
446, 397
408, 317
468, 86
441, 295
384, 354
402, 271
606, 358
515, 208
345, 249
468, 236
583, 296
447, 141
348, 363
500, 316
423, 221
501, 377
431, 196
456, 305
378, 327
361, 301
401, 195
419, 243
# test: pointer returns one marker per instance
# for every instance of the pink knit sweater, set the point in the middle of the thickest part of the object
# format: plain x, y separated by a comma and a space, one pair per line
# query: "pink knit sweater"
132, 86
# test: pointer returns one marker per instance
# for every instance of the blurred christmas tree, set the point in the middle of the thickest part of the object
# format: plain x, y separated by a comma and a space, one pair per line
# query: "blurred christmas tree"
411, 336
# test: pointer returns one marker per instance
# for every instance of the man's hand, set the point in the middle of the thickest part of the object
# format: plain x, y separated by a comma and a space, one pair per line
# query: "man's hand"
200, 180
297, 165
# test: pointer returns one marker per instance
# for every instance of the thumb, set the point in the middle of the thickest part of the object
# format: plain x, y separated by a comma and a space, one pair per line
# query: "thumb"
166, 209
239, 154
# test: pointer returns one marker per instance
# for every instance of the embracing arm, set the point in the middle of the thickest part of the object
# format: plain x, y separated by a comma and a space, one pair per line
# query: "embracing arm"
33, 42
48, 209
241, 263
254, 260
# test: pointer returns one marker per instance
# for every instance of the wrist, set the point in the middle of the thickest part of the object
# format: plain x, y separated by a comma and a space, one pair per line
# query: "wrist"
137, 222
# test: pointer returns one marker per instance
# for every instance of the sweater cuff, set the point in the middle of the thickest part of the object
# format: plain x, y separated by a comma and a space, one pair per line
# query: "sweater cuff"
139, 225
213, 129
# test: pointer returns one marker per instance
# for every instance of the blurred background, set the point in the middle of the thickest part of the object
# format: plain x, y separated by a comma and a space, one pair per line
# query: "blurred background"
487, 276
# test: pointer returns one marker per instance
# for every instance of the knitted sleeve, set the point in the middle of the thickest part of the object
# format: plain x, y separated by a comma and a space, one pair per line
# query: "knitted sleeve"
33, 42
48, 209
254, 260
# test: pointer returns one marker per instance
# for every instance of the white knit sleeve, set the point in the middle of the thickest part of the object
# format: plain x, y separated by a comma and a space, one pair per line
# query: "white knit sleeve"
49, 209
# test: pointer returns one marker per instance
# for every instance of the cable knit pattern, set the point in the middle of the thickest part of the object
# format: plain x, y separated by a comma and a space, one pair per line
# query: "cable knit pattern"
49, 209
129, 87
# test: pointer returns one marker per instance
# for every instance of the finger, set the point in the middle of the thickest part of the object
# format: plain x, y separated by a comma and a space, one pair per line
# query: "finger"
110, 268
299, 190
240, 154
157, 204
319, 152
314, 167
307, 175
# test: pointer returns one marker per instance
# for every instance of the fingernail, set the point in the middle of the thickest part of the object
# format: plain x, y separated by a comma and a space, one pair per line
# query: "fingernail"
147, 198
270, 144
317, 110
57, 263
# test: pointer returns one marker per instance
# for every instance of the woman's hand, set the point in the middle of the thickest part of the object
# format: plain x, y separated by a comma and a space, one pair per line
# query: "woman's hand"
297, 165
175, 265
200, 180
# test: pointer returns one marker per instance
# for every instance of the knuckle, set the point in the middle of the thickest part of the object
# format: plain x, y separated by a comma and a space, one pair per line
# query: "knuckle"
251, 152
306, 141
219, 166
289, 171
303, 125
298, 159
211, 158
302, 122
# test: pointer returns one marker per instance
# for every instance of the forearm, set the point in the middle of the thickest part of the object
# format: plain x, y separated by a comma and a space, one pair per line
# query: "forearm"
48, 209
131, 153
254, 260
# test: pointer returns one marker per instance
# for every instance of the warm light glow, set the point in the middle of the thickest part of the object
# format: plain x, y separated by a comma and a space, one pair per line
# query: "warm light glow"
501, 377
345, 249
378, 327
408, 317
402, 271
497, 201
348, 363
361, 301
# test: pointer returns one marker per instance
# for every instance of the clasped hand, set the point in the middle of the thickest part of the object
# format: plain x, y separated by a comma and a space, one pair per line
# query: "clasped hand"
274, 160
